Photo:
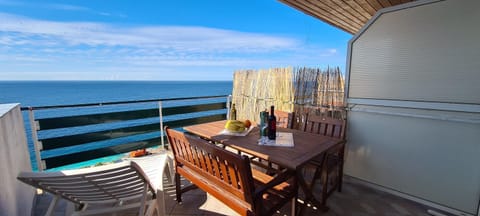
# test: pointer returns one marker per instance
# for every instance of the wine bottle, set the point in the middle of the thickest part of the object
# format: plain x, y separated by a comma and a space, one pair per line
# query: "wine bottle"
233, 113
272, 124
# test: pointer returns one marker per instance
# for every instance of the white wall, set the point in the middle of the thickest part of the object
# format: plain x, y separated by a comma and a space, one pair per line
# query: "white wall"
425, 53
414, 92
426, 157
16, 198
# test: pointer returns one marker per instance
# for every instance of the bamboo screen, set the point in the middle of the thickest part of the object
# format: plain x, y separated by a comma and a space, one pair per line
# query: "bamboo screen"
299, 90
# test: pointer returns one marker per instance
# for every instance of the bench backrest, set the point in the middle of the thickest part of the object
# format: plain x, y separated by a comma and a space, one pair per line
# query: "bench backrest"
228, 175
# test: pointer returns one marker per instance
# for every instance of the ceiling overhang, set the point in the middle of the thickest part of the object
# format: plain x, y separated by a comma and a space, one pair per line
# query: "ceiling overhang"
348, 15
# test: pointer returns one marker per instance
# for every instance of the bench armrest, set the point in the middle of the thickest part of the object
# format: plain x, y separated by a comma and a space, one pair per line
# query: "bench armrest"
269, 182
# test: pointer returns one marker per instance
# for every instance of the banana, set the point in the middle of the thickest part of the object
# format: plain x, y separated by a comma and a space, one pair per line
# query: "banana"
240, 129
237, 122
235, 126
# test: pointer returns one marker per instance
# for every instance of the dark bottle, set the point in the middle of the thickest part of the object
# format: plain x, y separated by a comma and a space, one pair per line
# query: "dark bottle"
233, 113
272, 124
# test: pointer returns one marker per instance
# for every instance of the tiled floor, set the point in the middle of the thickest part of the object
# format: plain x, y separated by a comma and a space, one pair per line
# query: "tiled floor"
354, 200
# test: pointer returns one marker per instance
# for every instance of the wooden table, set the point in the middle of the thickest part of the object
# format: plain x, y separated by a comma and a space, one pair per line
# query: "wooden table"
307, 146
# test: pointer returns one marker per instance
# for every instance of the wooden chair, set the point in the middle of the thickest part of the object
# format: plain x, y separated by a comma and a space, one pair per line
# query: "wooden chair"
102, 190
228, 177
284, 119
328, 167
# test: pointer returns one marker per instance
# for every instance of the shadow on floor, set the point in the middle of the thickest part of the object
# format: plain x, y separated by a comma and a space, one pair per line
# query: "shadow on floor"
354, 200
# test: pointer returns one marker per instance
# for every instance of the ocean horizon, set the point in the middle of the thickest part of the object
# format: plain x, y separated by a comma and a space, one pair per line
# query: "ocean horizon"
48, 93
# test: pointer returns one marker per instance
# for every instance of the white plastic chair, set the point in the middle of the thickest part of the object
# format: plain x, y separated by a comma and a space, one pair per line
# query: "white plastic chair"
155, 166
129, 185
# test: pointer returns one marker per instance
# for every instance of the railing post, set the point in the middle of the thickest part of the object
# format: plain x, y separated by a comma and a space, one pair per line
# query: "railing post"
160, 113
229, 99
37, 145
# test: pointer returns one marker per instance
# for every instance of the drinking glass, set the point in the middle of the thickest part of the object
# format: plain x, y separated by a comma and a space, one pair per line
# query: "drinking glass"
263, 135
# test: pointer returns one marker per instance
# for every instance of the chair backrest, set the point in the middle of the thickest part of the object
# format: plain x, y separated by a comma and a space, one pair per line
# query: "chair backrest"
284, 119
103, 184
229, 172
324, 126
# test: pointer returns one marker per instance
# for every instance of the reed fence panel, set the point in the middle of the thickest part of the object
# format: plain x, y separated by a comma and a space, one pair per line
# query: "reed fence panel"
301, 90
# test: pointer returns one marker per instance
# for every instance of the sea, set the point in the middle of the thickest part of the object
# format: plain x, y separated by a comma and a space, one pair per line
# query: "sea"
54, 93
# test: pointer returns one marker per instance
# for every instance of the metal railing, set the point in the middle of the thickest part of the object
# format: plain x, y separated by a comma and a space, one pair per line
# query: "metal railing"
68, 134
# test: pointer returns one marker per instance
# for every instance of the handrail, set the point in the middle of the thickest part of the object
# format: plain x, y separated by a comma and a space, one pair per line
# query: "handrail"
116, 102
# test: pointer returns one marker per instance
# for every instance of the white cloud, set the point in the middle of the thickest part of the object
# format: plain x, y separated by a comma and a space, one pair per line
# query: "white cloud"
332, 51
54, 48
181, 38
58, 7
329, 52
66, 7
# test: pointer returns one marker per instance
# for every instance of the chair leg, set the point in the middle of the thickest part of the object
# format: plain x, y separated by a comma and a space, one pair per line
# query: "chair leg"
153, 207
324, 186
170, 171
178, 189
160, 203
294, 205
316, 175
52, 205
340, 177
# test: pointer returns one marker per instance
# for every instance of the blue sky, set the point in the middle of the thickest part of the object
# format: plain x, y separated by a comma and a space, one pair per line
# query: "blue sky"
159, 40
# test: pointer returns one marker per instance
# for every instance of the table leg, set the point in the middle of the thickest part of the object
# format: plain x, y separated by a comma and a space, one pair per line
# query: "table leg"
309, 198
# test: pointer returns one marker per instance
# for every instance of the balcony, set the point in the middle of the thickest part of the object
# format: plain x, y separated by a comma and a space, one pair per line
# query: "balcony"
413, 115
357, 197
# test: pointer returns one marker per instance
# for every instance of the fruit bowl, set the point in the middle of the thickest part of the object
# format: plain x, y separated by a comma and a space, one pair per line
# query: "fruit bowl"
232, 133
237, 128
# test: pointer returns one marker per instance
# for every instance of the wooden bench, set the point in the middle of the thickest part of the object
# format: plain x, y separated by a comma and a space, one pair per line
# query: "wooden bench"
228, 177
